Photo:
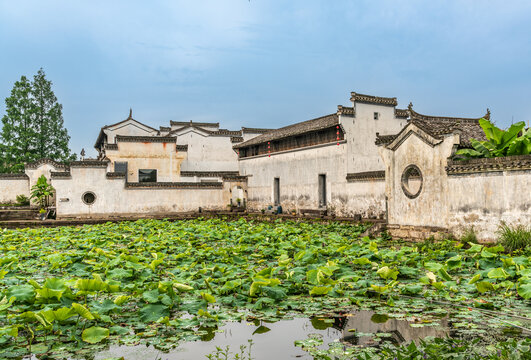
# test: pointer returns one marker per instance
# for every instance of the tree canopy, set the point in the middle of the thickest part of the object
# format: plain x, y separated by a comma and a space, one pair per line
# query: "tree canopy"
33, 126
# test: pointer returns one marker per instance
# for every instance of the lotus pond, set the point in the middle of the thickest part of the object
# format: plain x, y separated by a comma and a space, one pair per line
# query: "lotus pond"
105, 290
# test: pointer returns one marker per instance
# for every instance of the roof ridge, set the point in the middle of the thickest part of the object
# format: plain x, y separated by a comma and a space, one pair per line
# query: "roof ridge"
283, 132
372, 99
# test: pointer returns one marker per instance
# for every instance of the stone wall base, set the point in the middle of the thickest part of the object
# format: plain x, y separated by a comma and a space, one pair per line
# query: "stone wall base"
417, 233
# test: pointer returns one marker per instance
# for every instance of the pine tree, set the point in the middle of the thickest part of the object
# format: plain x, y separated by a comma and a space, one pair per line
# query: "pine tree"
18, 136
33, 127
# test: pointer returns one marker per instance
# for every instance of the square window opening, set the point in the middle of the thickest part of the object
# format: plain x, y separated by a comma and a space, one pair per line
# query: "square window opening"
147, 175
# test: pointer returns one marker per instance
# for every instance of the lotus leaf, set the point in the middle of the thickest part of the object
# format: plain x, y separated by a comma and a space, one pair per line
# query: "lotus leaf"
95, 334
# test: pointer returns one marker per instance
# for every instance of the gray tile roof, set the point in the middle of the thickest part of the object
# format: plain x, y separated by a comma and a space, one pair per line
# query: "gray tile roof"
437, 126
370, 99
317, 124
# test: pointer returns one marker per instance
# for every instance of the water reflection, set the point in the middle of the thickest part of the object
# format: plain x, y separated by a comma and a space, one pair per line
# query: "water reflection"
357, 328
276, 340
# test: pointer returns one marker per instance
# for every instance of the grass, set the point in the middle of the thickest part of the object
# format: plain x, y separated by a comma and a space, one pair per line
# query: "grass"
469, 236
514, 238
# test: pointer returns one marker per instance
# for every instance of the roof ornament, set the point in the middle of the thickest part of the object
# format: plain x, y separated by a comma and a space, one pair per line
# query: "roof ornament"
82, 154
130, 114
487, 115
410, 106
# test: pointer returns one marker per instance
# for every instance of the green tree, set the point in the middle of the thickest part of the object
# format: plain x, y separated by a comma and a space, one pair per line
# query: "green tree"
18, 135
33, 126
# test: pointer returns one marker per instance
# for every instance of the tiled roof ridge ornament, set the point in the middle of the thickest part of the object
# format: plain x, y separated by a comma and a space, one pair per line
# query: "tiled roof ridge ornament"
371, 99
487, 115
130, 117
410, 106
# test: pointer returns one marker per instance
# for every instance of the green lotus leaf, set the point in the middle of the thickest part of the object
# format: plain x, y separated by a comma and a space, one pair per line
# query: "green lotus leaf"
151, 296
444, 274
261, 330
412, 289
22, 293
454, 262
320, 290
95, 334
82, 311
475, 279
524, 290
362, 261
208, 297
153, 312
484, 286
182, 287
387, 273
498, 273
60, 315
122, 299
55, 284
46, 293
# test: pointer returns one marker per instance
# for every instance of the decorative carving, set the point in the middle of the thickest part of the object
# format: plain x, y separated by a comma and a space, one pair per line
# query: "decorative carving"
345, 110
365, 176
14, 176
60, 174
115, 175
153, 139
34, 165
401, 113
89, 163
209, 173
175, 185
508, 163
370, 99
411, 172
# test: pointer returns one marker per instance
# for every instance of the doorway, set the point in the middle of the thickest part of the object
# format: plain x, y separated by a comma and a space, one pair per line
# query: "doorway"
276, 192
322, 190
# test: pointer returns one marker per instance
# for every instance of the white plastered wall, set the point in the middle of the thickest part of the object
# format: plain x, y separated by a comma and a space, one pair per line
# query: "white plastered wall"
11, 187
114, 199
483, 201
206, 152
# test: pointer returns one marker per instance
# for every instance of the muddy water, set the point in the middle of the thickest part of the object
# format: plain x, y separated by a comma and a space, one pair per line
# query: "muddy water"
278, 342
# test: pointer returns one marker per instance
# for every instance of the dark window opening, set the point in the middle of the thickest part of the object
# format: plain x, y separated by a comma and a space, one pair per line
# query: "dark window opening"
120, 167
147, 175
89, 198
330, 135
376, 116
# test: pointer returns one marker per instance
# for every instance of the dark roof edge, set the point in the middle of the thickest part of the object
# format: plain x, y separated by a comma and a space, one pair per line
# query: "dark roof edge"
270, 135
14, 176
371, 99
366, 175
154, 139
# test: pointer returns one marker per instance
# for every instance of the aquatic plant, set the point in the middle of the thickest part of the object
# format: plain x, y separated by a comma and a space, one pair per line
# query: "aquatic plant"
514, 238
72, 290
499, 142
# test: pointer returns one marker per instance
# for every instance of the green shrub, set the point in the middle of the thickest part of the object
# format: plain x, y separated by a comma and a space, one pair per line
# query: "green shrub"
469, 236
513, 141
42, 191
514, 238
22, 200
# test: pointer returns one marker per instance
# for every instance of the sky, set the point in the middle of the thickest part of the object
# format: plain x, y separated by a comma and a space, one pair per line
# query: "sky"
267, 63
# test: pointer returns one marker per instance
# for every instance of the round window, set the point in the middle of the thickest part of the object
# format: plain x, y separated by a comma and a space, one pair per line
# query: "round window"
89, 197
412, 181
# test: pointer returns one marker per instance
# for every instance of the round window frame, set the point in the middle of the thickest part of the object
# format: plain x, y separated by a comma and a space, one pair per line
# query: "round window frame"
403, 181
86, 193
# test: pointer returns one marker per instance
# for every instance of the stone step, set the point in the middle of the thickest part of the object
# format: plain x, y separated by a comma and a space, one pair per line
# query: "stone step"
19, 214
